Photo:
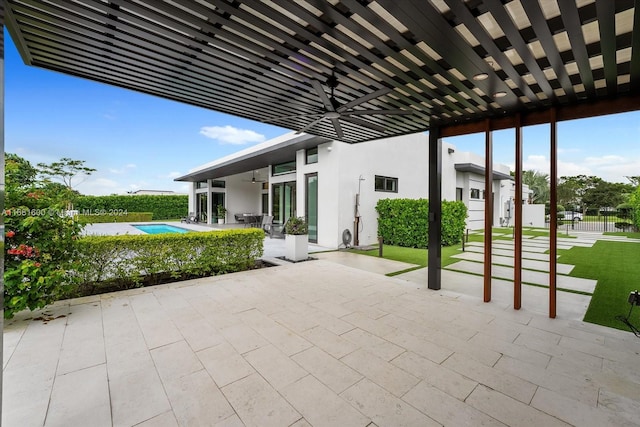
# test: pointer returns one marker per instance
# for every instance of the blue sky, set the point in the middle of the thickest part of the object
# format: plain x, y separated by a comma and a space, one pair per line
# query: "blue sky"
138, 141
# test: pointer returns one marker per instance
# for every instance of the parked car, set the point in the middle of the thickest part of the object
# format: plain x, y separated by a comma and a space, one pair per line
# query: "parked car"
571, 215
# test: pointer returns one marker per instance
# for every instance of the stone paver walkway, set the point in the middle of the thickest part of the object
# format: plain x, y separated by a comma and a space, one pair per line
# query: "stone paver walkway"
312, 344
508, 261
528, 276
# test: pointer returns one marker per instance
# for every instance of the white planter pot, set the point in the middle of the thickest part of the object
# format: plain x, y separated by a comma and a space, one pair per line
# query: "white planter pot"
220, 220
297, 247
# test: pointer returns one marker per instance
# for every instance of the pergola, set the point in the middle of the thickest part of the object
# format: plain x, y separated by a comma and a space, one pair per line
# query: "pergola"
456, 66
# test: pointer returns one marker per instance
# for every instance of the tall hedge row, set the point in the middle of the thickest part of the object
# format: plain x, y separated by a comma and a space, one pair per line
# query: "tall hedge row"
162, 207
126, 261
405, 222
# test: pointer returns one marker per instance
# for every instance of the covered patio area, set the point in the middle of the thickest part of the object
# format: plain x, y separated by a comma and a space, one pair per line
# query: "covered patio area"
320, 343
311, 344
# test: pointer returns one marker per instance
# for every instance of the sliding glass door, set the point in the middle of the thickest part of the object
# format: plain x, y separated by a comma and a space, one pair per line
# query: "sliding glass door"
284, 201
217, 199
312, 206
201, 207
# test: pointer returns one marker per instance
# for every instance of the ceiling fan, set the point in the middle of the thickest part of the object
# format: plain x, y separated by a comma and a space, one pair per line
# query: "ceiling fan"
253, 179
335, 112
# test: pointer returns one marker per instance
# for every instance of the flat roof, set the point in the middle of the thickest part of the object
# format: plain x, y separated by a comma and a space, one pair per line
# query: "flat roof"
277, 150
477, 169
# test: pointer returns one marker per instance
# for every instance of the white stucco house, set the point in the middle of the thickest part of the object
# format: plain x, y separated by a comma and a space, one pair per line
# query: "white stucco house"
331, 183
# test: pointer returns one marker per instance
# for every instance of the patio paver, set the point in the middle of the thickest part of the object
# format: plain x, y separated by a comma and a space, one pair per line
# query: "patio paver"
383, 351
529, 276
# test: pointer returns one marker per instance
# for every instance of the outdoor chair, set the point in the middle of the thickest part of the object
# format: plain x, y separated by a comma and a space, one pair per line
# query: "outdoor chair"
277, 230
192, 218
267, 223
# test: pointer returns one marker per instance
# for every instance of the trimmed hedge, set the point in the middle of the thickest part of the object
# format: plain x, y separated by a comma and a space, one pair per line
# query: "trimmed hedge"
106, 263
404, 222
162, 207
102, 218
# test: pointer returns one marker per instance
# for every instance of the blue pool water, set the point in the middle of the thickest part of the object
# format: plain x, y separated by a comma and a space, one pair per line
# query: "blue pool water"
160, 228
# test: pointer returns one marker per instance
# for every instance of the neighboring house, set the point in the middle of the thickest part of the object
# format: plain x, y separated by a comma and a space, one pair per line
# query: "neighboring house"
332, 182
154, 193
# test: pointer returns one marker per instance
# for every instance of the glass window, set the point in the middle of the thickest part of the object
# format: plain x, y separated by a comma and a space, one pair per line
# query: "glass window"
312, 206
283, 168
201, 184
312, 155
386, 184
283, 201
475, 193
459, 194
218, 184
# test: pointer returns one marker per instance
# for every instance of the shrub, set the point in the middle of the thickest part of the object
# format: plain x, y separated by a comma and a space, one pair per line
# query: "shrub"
38, 252
126, 261
296, 226
115, 217
162, 207
404, 222
634, 201
623, 225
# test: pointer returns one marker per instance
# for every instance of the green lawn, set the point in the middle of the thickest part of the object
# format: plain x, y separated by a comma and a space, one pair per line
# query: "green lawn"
616, 266
413, 255
626, 234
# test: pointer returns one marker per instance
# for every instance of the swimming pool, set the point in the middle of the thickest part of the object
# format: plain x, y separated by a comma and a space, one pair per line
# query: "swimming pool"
160, 228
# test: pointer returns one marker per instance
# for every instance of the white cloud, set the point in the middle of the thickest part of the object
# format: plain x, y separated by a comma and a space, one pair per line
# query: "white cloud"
568, 150
542, 164
611, 168
126, 168
604, 160
231, 135
170, 175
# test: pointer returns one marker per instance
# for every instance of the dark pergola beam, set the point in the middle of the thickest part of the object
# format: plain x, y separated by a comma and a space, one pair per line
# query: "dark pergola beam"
435, 209
517, 230
553, 212
603, 107
2, 49
488, 209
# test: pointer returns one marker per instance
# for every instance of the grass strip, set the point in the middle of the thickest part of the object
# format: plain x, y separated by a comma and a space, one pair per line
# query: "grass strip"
616, 267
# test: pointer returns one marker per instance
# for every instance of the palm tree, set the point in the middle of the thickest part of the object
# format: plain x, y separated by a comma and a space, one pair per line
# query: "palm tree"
538, 183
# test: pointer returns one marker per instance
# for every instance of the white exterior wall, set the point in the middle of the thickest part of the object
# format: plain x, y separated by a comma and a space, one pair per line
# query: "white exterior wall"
533, 216
450, 178
192, 197
242, 196
404, 158
328, 190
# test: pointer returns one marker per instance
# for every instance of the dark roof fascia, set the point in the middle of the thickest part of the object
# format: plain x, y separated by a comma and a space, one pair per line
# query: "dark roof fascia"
279, 153
477, 169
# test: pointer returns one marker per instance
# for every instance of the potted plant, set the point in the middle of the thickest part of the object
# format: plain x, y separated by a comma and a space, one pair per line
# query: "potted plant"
296, 232
222, 212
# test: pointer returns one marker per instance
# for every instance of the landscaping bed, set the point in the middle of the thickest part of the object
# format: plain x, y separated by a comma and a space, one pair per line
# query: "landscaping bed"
109, 263
115, 285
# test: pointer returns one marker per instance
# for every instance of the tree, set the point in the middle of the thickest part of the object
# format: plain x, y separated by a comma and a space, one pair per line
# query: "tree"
20, 176
607, 194
18, 171
538, 183
572, 189
65, 171
39, 240
634, 201
634, 180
